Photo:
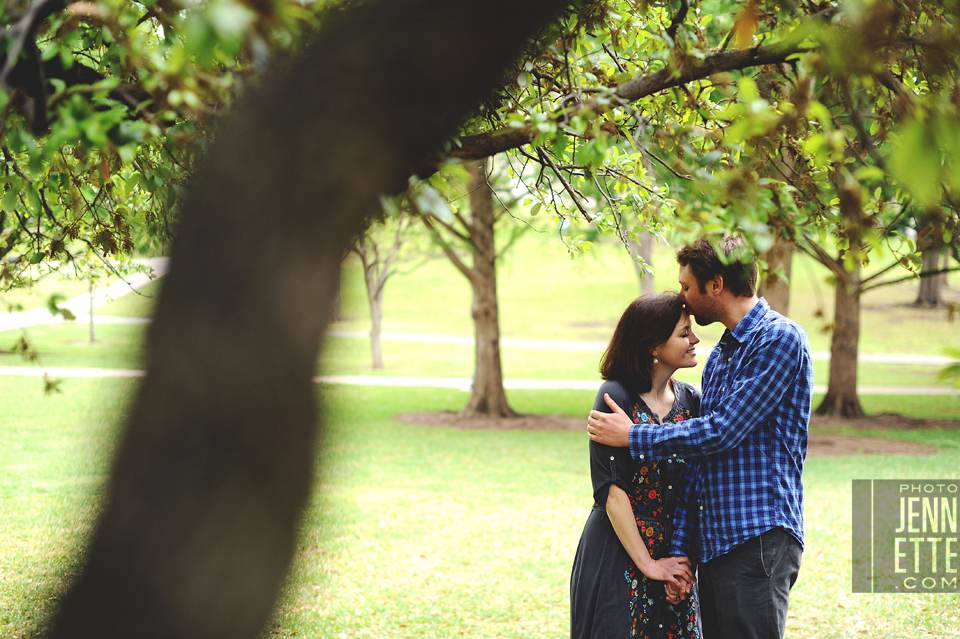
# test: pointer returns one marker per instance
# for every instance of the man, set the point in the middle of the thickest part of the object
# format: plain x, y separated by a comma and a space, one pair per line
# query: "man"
748, 446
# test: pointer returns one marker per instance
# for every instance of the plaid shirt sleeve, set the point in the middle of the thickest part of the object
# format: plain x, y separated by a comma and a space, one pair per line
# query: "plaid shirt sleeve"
685, 519
768, 370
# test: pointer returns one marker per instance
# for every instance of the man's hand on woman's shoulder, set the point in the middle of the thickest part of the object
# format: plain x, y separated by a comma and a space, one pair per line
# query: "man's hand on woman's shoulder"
611, 429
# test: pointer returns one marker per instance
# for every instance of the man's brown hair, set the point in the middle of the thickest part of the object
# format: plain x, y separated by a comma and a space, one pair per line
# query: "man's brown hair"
703, 258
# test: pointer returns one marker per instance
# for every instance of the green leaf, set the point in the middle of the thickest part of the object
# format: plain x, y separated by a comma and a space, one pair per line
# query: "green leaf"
868, 173
915, 162
430, 201
230, 19
10, 201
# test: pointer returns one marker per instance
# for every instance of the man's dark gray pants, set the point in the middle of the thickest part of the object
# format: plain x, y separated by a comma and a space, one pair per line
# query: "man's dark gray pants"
744, 593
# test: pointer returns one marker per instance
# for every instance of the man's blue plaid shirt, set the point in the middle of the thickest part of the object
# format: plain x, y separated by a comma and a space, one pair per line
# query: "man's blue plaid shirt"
746, 451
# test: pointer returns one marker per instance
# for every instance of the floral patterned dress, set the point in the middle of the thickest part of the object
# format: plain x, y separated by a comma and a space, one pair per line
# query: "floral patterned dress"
609, 597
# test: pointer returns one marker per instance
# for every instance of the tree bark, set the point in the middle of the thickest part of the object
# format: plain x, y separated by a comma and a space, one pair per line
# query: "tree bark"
931, 287
644, 248
773, 288
215, 462
376, 328
841, 398
375, 274
487, 398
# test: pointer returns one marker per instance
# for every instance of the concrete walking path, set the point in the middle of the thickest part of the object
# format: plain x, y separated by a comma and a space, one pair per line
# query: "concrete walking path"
456, 383
80, 305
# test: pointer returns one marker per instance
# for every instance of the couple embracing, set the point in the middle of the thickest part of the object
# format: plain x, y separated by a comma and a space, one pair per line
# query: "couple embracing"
686, 485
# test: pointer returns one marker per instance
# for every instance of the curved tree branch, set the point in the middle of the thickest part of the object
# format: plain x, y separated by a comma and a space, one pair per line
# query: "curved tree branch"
477, 147
678, 19
215, 462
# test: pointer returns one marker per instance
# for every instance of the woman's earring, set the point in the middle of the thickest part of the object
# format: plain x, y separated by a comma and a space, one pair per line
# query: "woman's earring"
656, 361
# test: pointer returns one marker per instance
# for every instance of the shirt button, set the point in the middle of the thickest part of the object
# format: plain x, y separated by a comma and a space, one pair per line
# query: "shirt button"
670, 487
701, 507
611, 457
641, 456
729, 359
674, 454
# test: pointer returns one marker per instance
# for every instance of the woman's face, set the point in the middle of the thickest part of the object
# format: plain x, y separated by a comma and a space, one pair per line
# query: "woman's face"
679, 351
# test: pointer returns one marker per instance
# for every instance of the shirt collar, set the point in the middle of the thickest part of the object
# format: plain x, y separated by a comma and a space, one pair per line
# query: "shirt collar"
750, 322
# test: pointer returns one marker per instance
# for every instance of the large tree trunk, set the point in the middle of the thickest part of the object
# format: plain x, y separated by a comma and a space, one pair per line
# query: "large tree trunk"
487, 398
773, 288
931, 287
644, 248
215, 462
841, 398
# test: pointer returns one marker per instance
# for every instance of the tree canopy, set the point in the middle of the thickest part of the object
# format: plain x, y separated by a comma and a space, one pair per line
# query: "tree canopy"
822, 122
104, 107
826, 123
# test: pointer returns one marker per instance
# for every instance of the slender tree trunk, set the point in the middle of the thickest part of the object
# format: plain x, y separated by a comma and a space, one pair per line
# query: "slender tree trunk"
931, 286
93, 333
487, 398
376, 324
773, 288
374, 279
644, 248
841, 398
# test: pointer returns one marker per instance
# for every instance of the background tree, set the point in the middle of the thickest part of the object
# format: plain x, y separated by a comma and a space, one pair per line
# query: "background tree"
388, 246
474, 229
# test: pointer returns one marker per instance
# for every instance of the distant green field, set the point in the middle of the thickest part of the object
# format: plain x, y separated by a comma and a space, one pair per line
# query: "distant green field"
544, 294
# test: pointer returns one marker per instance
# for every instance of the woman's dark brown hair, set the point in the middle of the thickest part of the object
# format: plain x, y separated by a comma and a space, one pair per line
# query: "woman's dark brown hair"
646, 324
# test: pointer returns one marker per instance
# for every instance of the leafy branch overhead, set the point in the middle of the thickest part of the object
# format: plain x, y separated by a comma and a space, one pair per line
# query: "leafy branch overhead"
104, 108
824, 123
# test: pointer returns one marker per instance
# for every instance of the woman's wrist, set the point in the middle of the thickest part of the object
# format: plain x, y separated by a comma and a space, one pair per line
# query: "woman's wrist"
647, 565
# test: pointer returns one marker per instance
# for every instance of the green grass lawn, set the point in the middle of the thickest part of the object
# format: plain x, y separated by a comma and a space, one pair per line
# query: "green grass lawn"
425, 532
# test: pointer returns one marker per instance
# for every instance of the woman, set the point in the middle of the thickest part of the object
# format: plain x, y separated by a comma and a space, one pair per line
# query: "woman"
617, 584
